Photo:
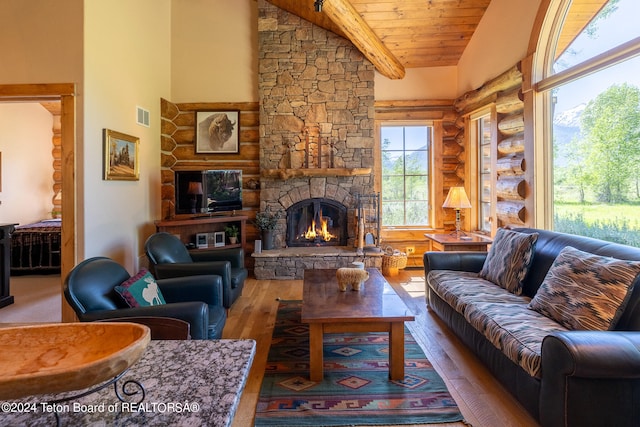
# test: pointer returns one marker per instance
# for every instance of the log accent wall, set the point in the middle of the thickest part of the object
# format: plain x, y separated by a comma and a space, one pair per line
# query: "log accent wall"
178, 154
56, 153
512, 189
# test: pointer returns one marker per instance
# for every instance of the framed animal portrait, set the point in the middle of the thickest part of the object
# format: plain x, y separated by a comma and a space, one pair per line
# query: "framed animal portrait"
217, 132
121, 160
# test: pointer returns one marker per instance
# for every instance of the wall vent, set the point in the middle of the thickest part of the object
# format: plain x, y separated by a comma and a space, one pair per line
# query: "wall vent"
142, 116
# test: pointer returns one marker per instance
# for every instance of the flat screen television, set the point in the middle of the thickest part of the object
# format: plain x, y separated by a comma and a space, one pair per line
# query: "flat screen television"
208, 191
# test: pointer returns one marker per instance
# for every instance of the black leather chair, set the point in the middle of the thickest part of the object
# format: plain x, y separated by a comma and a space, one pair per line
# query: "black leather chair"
168, 257
89, 289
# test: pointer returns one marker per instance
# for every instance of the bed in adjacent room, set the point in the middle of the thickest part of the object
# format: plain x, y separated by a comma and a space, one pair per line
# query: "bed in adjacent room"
35, 248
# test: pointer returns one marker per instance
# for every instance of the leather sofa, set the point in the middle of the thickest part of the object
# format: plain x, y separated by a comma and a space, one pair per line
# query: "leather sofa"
585, 377
90, 291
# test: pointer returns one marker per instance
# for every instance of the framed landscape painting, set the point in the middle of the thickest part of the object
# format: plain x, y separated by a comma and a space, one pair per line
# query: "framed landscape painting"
121, 160
217, 132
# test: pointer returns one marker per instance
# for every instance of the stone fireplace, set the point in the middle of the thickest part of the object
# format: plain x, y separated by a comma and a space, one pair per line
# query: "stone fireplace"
316, 93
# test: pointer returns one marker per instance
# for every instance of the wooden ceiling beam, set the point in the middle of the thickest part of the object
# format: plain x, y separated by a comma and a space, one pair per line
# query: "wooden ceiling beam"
347, 18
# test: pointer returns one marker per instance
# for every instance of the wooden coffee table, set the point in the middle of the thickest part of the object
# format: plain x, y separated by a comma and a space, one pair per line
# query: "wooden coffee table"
375, 308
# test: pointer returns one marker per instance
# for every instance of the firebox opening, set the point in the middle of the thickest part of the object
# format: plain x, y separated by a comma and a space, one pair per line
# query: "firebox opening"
317, 222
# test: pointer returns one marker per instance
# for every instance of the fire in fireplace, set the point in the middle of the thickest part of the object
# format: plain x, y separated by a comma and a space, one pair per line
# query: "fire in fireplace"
317, 222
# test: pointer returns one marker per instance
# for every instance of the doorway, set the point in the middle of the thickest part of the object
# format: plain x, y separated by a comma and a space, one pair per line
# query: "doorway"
65, 94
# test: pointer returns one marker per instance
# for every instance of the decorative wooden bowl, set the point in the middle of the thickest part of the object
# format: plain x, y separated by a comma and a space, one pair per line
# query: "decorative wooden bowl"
54, 358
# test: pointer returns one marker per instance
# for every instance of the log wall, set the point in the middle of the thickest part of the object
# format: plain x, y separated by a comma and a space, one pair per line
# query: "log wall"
178, 154
512, 188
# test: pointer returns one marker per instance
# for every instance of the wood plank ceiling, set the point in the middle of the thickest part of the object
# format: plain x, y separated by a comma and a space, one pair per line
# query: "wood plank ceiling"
399, 34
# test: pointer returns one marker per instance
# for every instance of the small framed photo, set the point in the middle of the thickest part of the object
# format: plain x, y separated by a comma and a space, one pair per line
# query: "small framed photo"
217, 132
121, 160
218, 239
202, 241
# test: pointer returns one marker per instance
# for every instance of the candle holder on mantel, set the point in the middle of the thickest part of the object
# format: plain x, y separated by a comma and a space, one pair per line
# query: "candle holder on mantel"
291, 146
311, 161
305, 130
332, 145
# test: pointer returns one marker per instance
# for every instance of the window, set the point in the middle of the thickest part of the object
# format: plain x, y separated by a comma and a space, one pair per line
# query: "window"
483, 133
592, 92
405, 174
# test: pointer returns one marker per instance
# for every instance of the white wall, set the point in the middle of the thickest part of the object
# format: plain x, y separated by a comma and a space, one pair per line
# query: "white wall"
500, 41
27, 165
214, 51
41, 41
418, 83
127, 64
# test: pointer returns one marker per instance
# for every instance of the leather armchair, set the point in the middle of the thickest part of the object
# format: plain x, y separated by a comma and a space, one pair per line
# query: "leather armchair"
89, 290
168, 257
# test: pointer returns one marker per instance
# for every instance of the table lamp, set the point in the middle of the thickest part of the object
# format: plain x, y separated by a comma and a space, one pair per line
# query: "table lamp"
457, 199
194, 190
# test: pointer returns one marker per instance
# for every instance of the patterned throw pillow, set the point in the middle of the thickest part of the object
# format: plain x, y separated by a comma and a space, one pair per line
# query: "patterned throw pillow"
509, 258
583, 291
141, 290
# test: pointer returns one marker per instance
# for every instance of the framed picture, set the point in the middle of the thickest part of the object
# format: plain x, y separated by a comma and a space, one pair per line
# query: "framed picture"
202, 240
120, 156
218, 239
217, 132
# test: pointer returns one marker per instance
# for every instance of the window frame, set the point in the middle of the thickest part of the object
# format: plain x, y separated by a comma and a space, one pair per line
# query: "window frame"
430, 171
543, 81
476, 173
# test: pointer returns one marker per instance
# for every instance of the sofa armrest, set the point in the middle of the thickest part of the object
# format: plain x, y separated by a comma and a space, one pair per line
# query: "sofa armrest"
456, 261
205, 288
590, 378
234, 255
195, 313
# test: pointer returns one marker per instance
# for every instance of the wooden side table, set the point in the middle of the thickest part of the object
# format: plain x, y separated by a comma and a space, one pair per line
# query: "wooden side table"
450, 242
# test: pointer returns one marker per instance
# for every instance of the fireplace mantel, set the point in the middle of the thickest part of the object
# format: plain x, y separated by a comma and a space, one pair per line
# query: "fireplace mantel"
313, 172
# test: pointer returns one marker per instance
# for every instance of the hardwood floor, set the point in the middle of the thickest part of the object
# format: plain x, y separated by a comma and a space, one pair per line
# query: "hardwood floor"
483, 402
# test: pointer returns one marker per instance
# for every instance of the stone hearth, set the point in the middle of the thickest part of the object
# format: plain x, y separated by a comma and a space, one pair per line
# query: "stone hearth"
290, 263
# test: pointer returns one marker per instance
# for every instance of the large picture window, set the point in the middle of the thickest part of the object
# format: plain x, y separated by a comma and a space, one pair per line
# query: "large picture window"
405, 174
592, 89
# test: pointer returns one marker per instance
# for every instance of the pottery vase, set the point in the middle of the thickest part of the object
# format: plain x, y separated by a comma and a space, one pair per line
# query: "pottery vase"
267, 239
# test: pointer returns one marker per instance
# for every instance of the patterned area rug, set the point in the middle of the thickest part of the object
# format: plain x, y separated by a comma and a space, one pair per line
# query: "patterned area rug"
356, 389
